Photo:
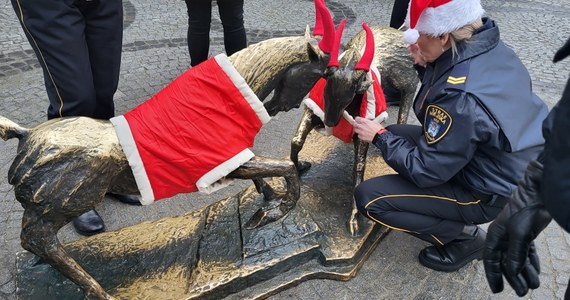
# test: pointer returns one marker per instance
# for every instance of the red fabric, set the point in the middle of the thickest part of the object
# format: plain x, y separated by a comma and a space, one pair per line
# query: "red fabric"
189, 127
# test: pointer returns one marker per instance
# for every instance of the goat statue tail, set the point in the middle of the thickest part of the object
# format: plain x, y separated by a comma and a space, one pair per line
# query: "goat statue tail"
9, 129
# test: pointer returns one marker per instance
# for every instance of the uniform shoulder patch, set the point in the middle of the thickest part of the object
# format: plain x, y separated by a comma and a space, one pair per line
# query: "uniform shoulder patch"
437, 123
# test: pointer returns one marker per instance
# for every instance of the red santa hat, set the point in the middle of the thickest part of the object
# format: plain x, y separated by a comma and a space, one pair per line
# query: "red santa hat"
437, 17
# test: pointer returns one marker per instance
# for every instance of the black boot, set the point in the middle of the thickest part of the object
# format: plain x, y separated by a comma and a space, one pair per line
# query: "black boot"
89, 223
454, 255
128, 199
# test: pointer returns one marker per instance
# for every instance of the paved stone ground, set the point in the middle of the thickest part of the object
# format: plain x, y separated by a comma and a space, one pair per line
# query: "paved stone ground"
155, 53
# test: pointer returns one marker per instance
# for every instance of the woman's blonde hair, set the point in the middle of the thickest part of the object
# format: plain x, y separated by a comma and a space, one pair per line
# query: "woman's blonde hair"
463, 34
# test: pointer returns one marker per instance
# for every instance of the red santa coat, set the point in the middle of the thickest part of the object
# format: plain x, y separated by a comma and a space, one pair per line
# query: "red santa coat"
373, 106
193, 132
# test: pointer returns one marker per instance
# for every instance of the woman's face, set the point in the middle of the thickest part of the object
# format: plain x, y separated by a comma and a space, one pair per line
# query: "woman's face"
432, 47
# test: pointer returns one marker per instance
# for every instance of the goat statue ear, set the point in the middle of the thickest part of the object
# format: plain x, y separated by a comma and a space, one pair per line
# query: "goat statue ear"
315, 53
363, 87
307, 33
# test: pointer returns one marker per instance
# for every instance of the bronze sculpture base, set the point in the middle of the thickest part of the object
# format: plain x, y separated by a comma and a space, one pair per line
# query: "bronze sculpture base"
208, 254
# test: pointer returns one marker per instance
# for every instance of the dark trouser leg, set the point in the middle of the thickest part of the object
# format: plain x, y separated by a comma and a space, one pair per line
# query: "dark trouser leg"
63, 54
231, 13
443, 215
399, 11
437, 215
104, 35
199, 19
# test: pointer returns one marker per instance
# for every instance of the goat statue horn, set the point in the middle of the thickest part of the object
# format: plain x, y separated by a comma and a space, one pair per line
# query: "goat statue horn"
318, 30
326, 43
333, 61
366, 60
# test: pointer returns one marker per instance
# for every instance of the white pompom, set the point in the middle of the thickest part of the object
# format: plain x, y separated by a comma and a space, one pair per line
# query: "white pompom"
411, 36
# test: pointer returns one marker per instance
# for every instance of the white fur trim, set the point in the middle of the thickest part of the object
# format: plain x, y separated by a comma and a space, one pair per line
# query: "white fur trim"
411, 36
127, 141
381, 117
448, 17
310, 104
242, 86
214, 179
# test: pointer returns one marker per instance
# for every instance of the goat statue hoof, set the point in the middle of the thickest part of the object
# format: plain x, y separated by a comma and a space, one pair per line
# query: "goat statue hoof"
353, 226
264, 216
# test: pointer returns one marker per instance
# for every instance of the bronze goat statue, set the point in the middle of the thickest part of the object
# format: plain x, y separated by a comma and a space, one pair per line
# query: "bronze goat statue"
346, 82
65, 166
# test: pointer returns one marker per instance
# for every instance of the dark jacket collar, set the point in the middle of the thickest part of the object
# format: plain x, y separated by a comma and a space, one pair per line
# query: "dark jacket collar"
484, 39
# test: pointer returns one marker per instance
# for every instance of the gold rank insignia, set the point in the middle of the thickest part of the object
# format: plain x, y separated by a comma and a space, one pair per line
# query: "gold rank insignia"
456, 80
437, 123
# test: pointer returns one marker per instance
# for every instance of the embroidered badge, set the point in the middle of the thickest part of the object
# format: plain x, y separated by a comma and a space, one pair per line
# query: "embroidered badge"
437, 123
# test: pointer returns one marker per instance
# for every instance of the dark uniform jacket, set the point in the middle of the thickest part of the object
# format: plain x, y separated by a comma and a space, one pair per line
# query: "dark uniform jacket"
555, 186
481, 120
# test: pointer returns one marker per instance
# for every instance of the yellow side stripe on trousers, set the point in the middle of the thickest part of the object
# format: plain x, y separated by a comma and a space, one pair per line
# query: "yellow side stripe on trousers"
41, 56
411, 195
399, 229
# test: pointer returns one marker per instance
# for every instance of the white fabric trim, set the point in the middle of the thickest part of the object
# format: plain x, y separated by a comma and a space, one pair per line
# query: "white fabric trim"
381, 117
310, 104
127, 141
214, 179
448, 17
243, 87
371, 98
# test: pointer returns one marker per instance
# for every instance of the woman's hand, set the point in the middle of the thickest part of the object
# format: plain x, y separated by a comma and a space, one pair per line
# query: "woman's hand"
366, 129
417, 55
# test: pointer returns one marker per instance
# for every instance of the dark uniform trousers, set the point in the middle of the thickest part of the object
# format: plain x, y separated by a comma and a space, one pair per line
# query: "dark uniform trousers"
78, 44
436, 214
199, 20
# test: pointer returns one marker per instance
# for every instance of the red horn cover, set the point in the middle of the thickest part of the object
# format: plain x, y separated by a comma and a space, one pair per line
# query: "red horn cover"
368, 56
326, 44
333, 61
318, 30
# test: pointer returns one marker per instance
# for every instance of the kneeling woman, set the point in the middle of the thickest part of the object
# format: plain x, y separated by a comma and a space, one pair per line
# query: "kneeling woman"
480, 125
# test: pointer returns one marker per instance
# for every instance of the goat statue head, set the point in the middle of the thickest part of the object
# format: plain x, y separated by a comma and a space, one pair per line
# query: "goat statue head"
296, 82
345, 83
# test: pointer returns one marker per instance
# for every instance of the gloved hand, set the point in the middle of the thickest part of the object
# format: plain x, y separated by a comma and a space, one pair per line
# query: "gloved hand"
509, 249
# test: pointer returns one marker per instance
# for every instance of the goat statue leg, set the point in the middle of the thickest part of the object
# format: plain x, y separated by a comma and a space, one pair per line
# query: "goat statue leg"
408, 94
39, 236
360, 151
277, 204
306, 124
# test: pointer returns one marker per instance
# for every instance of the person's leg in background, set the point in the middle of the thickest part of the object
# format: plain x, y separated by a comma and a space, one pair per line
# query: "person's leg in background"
199, 19
231, 14
63, 54
399, 11
104, 37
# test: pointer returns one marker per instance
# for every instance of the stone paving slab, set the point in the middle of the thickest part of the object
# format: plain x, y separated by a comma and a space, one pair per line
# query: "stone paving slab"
155, 53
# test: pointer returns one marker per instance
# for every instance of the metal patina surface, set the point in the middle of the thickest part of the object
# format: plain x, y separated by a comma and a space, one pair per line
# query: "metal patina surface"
209, 254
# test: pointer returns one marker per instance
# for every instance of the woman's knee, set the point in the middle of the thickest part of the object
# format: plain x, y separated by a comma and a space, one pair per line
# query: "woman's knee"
363, 195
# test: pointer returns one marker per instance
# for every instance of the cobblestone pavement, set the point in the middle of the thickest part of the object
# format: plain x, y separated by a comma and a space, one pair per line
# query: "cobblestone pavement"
155, 53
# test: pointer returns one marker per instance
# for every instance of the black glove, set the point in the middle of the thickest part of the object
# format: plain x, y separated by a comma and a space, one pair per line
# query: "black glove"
509, 248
